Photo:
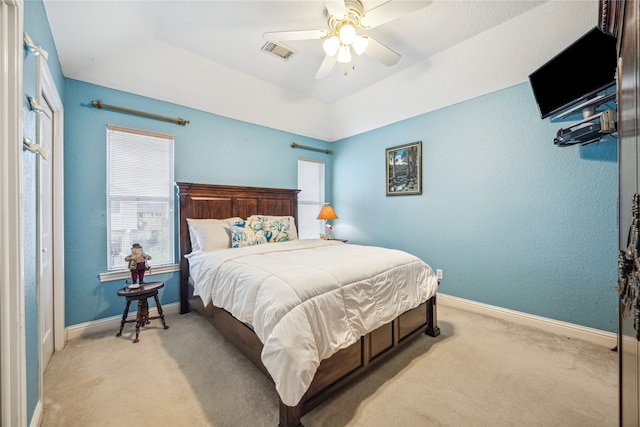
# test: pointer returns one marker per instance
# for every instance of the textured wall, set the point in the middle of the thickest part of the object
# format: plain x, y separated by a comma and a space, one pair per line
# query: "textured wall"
511, 219
212, 149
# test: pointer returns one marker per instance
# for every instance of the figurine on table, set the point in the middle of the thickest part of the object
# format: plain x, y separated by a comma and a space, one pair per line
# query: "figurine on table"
137, 263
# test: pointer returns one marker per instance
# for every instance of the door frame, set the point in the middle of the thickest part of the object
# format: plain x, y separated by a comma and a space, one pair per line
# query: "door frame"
13, 386
45, 87
48, 88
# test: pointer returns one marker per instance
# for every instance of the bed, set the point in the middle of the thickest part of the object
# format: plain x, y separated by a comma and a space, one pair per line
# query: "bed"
342, 360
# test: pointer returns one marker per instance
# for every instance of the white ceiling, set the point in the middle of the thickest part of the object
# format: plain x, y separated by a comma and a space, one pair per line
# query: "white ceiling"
206, 55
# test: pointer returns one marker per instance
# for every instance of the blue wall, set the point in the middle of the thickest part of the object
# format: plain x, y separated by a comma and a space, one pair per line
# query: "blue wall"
511, 219
37, 26
212, 149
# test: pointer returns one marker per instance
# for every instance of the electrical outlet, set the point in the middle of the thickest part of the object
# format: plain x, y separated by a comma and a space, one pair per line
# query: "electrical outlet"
439, 273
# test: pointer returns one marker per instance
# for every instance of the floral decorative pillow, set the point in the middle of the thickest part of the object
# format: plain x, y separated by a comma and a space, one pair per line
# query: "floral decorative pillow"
247, 233
277, 228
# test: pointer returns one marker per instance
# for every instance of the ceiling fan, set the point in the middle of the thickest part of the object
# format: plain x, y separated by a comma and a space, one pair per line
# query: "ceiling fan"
341, 39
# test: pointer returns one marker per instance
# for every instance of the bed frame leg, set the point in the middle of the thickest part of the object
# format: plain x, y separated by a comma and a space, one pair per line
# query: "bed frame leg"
432, 317
289, 416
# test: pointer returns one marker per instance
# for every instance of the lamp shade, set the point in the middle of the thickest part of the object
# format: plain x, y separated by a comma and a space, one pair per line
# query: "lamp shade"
347, 33
327, 212
360, 44
344, 54
331, 45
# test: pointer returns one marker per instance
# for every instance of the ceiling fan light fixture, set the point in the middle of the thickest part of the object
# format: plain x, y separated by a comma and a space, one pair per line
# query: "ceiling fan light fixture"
347, 33
341, 41
344, 54
331, 45
360, 44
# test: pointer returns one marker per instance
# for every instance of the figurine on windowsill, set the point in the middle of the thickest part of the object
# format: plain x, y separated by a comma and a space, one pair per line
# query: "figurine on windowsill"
137, 263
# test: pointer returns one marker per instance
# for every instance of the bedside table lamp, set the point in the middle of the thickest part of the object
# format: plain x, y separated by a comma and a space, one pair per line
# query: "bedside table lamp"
327, 213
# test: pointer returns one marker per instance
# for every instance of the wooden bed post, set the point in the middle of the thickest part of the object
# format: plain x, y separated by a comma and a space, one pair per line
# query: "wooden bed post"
432, 317
289, 416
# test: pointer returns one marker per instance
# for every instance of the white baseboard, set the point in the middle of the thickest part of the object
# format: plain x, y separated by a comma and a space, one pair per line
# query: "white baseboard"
570, 330
565, 329
113, 323
38, 415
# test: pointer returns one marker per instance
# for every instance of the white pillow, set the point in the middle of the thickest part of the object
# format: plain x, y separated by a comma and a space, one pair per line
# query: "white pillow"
210, 234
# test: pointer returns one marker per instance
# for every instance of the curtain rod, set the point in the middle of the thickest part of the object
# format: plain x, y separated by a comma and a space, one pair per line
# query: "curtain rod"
306, 147
98, 104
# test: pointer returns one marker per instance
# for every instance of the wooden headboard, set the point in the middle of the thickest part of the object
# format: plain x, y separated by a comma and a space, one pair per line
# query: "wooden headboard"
201, 201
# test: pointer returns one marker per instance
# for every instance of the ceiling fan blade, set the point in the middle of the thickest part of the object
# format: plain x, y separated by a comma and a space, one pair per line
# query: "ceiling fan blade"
326, 67
382, 53
391, 10
280, 36
335, 8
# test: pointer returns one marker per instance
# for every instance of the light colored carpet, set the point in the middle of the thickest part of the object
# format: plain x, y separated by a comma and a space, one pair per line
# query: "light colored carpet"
480, 371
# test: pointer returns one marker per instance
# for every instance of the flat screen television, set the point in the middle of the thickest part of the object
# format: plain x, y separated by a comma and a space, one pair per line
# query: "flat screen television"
580, 71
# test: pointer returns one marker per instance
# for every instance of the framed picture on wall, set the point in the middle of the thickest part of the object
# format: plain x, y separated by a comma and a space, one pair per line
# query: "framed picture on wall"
404, 169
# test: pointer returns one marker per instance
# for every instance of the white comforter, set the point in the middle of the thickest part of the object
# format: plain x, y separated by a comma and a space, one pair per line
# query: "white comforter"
307, 299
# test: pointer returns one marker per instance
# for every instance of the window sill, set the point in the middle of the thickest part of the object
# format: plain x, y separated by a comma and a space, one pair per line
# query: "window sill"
123, 274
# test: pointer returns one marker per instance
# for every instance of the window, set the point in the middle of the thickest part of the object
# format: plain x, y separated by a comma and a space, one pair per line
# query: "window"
139, 195
310, 198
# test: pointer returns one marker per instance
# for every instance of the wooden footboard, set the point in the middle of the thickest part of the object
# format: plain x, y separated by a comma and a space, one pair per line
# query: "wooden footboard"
340, 369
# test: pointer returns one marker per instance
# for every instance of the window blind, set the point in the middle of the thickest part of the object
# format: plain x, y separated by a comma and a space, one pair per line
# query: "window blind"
139, 195
310, 198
